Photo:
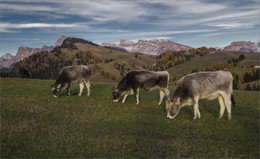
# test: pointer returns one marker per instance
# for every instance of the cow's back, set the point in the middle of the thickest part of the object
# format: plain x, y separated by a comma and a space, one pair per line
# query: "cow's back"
74, 73
145, 79
203, 83
86, 71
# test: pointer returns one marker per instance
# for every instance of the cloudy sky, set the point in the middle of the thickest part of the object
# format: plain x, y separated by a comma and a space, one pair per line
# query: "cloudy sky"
195, 23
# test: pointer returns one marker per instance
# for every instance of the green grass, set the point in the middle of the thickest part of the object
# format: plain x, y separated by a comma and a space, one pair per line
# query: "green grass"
34, 124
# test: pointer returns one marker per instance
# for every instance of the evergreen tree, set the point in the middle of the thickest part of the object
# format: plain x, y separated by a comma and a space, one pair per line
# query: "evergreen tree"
248, 87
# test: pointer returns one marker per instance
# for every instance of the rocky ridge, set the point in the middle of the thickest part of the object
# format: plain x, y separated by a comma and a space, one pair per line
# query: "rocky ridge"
150, 47
243, 46
8, 60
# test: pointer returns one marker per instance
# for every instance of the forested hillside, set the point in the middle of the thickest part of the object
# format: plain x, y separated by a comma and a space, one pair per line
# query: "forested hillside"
110, 64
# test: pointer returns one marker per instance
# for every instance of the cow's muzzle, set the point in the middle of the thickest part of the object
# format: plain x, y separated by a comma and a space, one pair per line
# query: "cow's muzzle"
169, 116
115, 100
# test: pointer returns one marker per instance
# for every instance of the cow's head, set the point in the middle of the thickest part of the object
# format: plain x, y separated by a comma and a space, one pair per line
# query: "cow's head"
56, 88
117, 94
173, 107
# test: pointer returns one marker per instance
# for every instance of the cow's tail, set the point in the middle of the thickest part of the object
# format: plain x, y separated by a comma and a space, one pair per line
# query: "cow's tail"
231, 88
168, 80
90, 72
233, 101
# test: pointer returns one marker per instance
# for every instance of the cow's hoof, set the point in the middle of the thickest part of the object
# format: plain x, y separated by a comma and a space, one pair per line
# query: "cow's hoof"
55, 96
159, 103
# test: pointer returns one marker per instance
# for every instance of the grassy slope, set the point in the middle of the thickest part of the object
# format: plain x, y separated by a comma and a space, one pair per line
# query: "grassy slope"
114, 54
34, 124
119, 56
198, 63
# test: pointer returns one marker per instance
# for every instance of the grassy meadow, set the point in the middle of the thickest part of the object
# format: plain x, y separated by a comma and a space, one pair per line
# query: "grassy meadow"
34, 124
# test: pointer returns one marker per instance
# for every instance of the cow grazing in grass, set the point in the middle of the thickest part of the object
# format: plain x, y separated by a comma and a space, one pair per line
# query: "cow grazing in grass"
133, 81
203, 85
72, 75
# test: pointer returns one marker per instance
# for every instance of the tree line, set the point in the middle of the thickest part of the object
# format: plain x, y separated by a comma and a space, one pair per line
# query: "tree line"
172, 58
44, 65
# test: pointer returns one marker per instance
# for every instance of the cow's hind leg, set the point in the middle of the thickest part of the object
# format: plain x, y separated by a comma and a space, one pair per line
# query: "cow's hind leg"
68, 90
161, 97
136, 92
167, 93
81, 86
88, 86
227, 102
222, 106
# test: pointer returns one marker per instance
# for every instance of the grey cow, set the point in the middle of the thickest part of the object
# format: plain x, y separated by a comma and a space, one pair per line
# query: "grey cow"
72, 75
133, 81
202, 85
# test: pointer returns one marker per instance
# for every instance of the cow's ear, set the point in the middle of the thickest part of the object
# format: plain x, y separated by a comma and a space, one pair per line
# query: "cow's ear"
168, 102
59, 85
115, 89
178, 102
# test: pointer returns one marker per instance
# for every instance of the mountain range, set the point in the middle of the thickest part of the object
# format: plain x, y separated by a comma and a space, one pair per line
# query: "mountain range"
111, 65
7, 60
243, 46
149, 47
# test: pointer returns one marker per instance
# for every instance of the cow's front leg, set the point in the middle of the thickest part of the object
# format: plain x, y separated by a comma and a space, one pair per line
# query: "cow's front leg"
123, 101
81, 86
196, 108
136, 92
68, 90
88, 87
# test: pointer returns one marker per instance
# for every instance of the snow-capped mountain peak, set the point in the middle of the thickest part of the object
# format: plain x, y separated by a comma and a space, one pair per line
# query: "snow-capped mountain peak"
151, 47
